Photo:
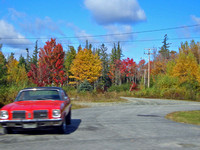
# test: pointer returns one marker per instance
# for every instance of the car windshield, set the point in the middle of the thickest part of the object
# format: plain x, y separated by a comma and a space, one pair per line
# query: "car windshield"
38, 95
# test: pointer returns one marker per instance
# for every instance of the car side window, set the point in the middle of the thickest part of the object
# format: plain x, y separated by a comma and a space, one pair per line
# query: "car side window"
63, 95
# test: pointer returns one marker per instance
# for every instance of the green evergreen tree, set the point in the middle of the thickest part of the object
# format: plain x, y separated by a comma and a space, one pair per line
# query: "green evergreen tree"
164, 50
35, 54
22, 61
104, 58
28, 66
113, 56
85, 86
79, 48
69, 57
3, 69
11, 57
86, 44
119, 51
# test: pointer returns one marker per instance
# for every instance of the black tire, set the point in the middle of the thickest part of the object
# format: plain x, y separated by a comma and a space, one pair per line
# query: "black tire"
7, 130
62, 128
68, 118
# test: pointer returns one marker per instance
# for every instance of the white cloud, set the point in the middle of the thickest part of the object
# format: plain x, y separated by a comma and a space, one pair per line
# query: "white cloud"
115, 11
14, 15
38, 26
80, 34
9, 36
34, 25
197, 21
118, 33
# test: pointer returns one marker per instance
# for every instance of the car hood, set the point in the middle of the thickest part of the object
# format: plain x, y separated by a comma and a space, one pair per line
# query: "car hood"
34, 105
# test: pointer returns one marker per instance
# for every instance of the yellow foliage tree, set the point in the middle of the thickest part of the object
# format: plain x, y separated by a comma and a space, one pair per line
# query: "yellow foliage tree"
86, 66
16, 74
186, 68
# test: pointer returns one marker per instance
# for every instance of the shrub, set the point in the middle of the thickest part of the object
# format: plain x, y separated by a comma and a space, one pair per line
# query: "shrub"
85, 86
166, 81
119, 88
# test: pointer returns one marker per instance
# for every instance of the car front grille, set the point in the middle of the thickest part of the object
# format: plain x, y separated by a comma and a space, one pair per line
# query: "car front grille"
19, 115
40, 114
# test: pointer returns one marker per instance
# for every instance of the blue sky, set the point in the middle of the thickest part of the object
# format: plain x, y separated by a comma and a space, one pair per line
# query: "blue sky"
22, 22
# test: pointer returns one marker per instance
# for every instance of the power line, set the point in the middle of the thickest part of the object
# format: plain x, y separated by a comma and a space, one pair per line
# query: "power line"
122, 41
117, 34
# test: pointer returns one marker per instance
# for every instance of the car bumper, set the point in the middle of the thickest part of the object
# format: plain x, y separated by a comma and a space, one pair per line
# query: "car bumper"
34, 123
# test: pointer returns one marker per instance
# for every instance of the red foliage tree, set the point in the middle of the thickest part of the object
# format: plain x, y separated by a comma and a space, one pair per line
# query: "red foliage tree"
128, 68
123, 69
50, 65
141, 68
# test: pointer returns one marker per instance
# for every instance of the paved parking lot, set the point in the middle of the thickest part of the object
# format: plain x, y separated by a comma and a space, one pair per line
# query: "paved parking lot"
138, 124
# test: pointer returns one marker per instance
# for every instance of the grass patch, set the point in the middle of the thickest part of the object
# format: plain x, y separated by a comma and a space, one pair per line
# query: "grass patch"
190, 117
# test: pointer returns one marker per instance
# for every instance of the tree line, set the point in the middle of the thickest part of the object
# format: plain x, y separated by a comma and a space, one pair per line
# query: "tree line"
173, 74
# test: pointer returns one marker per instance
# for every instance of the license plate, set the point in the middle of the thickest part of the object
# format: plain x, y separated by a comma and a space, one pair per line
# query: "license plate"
30, 125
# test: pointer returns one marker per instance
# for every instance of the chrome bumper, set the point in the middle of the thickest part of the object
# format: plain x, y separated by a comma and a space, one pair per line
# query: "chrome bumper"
38, 122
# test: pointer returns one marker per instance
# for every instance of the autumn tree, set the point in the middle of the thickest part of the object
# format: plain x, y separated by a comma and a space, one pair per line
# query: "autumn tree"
51, 59
193, 47
159, 67
86, 66
40, 74
141, 69
128, 69
115, 62
16, 74
186, 68
115, 72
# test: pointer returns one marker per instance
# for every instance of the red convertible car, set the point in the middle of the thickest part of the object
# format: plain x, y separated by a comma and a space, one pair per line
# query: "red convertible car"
37, 108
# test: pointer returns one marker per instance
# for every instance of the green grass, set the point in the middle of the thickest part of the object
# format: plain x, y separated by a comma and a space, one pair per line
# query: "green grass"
189, 117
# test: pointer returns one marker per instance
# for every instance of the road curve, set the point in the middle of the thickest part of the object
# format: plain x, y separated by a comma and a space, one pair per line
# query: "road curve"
138, 124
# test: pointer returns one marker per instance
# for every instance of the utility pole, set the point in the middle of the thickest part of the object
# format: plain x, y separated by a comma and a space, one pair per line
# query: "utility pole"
149, 66
145, 72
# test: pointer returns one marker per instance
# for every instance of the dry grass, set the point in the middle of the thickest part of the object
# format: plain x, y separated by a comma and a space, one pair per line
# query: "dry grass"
97, 97
78, 106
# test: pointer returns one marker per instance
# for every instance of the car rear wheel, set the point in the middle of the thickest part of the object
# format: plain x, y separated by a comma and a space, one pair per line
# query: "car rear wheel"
7, 130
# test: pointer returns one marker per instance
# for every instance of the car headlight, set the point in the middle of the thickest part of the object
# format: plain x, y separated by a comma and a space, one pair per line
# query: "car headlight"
56, 113
3, 114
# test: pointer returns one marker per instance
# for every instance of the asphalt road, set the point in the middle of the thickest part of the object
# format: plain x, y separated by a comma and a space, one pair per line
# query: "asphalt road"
136, 125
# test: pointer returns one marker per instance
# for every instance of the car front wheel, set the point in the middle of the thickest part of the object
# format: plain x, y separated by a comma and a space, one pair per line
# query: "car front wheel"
7, 130
62, 128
